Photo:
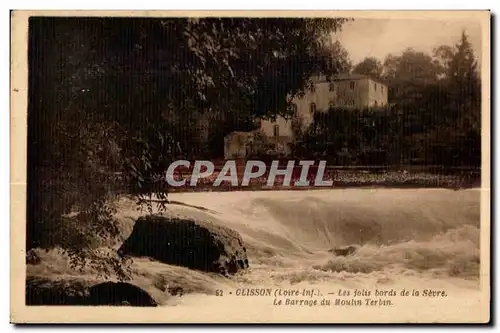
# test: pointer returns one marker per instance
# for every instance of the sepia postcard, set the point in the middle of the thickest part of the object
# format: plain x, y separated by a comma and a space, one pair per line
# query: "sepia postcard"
250, 167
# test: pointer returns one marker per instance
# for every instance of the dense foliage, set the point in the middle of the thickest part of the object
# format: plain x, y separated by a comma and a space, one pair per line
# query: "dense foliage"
113, 100
434, 116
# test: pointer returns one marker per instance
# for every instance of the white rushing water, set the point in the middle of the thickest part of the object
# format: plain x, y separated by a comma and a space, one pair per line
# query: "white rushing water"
408, 239
424, 240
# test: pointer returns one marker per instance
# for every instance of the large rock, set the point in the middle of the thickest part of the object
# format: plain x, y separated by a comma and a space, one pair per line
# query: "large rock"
43, 291
119, 293
345, 251
185, 242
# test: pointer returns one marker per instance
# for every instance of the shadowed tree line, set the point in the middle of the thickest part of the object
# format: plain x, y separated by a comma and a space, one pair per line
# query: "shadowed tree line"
434, 115
112, 101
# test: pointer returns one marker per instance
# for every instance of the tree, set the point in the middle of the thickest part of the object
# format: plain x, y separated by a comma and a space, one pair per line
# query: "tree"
460, 130
460, 72
338, 57
407, 74
435, 119
110, 99
370, 66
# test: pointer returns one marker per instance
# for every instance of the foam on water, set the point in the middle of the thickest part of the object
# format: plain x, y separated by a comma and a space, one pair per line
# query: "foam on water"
411, 235
431, 233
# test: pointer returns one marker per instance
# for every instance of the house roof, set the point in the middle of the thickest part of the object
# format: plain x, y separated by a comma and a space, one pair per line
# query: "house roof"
347, 76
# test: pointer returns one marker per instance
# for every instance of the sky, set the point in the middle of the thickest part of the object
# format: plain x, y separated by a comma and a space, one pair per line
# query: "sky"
379, 37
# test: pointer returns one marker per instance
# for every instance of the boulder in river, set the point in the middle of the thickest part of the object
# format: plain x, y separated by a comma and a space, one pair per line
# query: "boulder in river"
344, 251
119, 294
186, 242
43, 291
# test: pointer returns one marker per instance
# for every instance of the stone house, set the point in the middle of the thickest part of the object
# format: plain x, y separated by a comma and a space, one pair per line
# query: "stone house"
345, 90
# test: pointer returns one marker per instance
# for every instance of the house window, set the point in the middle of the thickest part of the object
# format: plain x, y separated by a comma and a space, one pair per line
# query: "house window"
375, 85
294, 108
313, 88
276, 130
313, 108
332, 86
331, 104
351, 85
376, 104
382, 89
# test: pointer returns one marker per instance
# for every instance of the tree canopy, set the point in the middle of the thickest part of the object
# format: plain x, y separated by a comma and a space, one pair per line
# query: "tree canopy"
434, 116
111, 101
370, 66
